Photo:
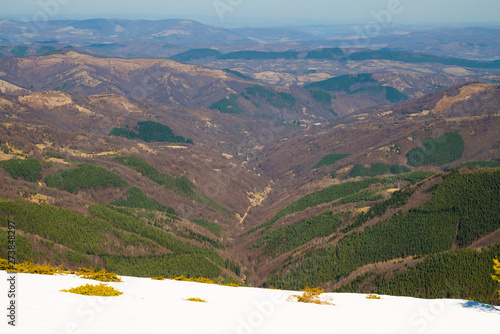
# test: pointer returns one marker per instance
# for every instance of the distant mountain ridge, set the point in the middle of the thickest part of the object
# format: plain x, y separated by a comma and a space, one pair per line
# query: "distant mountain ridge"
121, 30
183, 85
165, 38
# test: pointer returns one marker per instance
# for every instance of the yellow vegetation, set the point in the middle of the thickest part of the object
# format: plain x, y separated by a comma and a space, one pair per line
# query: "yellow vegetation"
4, 264
373, 297
48, 269
272, 287
30, 268
203, 280
192, 279
311, 295
95, 290
496, 277
42, 269
102, 275
199, 300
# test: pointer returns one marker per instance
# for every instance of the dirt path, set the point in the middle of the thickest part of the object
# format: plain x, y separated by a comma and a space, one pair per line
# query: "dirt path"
255, 200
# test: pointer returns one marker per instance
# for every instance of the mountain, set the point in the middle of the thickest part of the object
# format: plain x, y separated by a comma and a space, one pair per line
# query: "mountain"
462, 41
409, 57
119, 30
183, 85
166, 38
163, 304
167, 168
161, 81
274, 35
341, 175
463, 108
194, 86
412, 74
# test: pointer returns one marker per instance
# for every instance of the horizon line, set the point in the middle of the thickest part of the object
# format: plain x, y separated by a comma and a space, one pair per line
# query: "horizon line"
222, 24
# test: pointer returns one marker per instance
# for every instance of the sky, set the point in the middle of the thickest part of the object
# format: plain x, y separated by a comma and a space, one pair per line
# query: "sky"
261, 12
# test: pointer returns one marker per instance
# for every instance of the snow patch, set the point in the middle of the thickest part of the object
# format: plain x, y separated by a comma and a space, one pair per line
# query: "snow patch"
149, 306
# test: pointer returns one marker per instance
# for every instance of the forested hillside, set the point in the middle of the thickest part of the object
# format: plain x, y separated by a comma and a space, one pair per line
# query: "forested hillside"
218, 173
463, 208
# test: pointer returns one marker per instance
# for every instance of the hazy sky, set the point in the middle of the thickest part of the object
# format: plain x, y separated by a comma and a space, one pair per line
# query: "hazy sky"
261, 12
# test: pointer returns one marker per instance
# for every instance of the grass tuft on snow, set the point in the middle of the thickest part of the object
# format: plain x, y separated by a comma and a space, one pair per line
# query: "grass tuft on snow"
311, 295
95, 290
198, 300
102, 275
373, 297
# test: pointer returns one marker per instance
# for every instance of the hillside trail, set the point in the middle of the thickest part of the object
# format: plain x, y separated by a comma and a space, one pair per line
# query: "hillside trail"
255, 199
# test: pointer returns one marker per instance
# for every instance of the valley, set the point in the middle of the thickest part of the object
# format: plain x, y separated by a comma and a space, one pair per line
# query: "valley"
346, 169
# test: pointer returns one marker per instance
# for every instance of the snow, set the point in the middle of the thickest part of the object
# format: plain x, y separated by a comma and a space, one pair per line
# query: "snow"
149, 306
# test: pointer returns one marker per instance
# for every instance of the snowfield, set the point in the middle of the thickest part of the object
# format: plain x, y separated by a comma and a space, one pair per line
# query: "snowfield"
149, 306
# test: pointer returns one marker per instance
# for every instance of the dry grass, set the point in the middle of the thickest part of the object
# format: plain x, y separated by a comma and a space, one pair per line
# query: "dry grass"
203, 280
48, 269
311, 295
465, 93
198, 300
496, 268
95, 290
30, 268
231, 284
193, 279
371, 296
4, 264
102, 275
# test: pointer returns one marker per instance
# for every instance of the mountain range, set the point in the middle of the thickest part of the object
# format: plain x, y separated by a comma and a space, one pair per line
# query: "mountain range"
361, 176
